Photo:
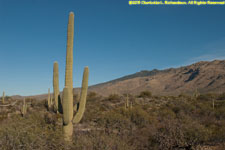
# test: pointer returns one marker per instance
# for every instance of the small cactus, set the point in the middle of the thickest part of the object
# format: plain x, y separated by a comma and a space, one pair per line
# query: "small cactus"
24, 108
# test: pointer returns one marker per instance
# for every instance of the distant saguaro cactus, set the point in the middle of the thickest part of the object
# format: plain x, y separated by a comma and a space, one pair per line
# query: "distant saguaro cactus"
67, 98
56, 85
24, 108
49, 99
128, 104
196, 93
3, 98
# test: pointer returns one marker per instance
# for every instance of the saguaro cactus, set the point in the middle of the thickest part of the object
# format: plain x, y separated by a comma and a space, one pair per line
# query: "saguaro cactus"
24, 108
67, 101
127, 102
56, 85
196, 93
3, 98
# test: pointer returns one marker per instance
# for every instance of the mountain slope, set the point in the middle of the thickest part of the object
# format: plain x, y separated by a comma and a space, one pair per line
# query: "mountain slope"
204, 76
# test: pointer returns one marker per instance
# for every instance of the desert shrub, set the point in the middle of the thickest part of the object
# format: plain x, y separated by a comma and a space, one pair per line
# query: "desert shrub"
3, 115
217, 130
162, 123
145, 94
220, 113
176, 134
91, 94
143, 138
114, 121
203, 97
140, 117
181, 106
221, 96
30, 132
113, 98
38, 104
164, 113
98, 140
182, 95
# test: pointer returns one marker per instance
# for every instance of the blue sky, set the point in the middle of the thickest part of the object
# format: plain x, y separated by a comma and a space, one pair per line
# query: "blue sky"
111, 37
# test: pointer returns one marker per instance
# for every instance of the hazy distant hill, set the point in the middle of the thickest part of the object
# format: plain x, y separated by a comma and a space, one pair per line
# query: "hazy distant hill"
204, 76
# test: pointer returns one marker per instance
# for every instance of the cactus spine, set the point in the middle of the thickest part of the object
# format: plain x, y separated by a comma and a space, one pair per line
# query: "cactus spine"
24, 108
67, 102
56, 84
3, 98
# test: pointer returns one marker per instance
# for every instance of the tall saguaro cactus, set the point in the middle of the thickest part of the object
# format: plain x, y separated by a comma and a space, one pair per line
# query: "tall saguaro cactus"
3, 98
67, 101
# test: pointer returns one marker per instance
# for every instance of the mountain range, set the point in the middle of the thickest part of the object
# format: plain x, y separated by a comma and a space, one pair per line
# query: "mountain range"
204, 76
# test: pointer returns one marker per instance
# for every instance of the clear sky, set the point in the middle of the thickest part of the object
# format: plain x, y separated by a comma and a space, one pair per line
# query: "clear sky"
111, 37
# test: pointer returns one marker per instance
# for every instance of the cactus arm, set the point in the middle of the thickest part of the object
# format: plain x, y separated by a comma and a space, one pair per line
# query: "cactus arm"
83, 97
56, 84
